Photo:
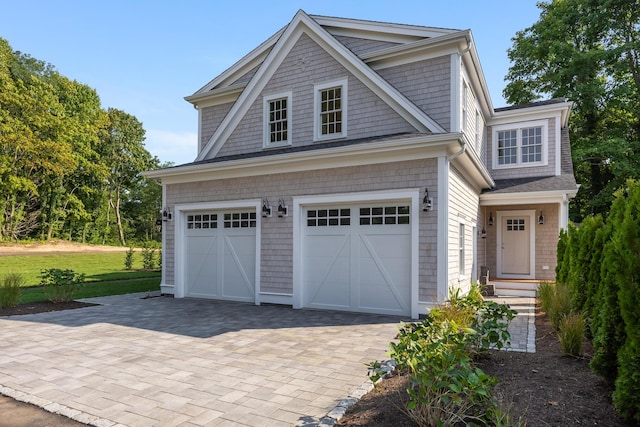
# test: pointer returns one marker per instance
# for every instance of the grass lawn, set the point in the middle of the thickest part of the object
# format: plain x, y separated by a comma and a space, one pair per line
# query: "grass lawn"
96, 267
98, 289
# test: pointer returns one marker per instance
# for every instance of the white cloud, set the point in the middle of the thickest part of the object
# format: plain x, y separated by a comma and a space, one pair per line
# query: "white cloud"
170, 146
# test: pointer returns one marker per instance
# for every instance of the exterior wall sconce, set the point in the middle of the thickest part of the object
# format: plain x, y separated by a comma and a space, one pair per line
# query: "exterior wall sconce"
266, 208
427, 202
483, 233
166, 214
490, 219
283, 209
541, 218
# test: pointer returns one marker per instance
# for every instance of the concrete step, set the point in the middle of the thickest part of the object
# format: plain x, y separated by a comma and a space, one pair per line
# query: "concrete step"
515, 288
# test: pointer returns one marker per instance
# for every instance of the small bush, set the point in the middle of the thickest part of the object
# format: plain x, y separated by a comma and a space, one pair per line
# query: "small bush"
555, 300
148, 257
446, 388
571, 334
60, 285
546, 293
11, 290
128, 259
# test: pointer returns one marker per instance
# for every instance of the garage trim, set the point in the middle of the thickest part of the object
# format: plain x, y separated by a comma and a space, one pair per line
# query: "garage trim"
180, 241
404, 195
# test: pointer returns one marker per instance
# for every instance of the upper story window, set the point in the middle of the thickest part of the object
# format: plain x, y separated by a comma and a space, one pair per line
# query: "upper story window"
277, 119
522, 145
330, 118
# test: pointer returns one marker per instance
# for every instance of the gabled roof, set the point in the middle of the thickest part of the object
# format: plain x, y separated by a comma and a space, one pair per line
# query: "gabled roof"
273, 57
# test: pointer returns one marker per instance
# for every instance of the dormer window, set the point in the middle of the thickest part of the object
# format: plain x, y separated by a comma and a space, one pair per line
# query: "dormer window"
330, 118
277, 120
524, 144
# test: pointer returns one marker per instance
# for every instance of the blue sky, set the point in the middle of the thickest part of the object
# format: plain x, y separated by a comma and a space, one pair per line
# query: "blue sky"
143, 57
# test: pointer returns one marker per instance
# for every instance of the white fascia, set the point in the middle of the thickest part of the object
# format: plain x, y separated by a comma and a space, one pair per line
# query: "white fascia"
533, 197
401, 149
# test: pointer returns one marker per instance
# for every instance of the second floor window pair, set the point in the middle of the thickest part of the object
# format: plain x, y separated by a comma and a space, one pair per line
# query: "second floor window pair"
329, 114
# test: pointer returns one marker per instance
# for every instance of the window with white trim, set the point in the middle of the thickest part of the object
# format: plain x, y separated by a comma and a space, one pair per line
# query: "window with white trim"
277, 120
518, 146
330, 118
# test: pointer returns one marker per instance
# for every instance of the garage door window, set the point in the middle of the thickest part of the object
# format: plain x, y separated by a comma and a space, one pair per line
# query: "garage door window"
384, 215
201, 221
328, 217
240, 220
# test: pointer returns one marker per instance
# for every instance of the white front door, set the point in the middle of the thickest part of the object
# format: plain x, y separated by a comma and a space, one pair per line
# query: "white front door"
516, 244
220, 255
358, 258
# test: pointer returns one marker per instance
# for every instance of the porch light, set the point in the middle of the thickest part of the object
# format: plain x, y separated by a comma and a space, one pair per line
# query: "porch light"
483, 233
266, 208
283, 209
541, 218
490, 218
427, 202
166, 214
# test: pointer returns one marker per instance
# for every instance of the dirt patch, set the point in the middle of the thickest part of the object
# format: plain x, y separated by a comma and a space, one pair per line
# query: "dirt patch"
544, 388
56, 246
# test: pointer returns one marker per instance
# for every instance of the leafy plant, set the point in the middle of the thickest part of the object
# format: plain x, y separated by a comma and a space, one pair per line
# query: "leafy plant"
11, 290
128, 259
445, 387
60, 285
571, 334
148, 257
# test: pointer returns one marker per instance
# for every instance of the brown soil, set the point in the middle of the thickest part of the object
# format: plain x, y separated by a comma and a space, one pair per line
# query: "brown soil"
41, 307
55, 246
542, 389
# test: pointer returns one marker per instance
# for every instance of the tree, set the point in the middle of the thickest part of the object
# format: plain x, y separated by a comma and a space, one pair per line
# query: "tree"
588, 52
123, 152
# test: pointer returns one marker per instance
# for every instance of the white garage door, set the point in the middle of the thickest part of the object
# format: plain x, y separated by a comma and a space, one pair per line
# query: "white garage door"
220, 255
358, 258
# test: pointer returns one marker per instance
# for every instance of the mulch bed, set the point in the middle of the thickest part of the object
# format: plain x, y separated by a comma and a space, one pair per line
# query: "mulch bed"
41, 307
543, 389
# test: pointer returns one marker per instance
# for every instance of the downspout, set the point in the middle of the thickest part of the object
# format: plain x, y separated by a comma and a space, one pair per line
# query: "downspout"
463, 148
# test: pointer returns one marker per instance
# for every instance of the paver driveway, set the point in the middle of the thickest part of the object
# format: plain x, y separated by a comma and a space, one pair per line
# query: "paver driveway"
169, 362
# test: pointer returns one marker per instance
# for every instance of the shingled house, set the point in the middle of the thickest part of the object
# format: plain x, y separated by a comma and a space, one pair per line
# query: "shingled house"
355, 165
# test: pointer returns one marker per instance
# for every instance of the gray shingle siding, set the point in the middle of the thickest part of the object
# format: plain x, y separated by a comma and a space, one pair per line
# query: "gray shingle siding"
427, 84
277, 233
361, 46
308, 64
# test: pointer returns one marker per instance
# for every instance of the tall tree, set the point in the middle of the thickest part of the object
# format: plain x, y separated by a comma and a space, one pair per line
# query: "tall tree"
588, 52
124, 154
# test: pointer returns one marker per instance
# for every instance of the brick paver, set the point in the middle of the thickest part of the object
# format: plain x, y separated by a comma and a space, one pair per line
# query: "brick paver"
182, 362
174, 362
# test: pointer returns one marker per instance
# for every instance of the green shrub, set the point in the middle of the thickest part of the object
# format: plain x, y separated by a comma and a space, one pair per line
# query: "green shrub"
60, 285
546, 293
555, 300
128, 259
627, 385
571, 334
11, 290
608, 326
445, 387
148, 257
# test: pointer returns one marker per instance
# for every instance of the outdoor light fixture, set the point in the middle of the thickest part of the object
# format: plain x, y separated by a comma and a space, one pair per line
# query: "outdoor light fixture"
283, 209
427, 202
483, 233
490, 218
166, 214
541, 218
266, 208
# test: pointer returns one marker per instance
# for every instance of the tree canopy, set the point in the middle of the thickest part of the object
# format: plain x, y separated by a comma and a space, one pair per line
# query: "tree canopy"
68, 168
587, 51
